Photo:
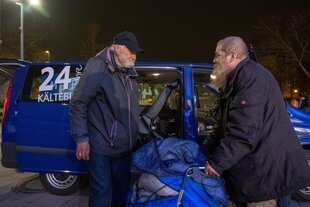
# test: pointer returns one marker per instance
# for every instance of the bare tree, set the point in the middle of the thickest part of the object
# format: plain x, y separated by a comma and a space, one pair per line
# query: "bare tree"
91, 45
286, 36
10, 45
33, 45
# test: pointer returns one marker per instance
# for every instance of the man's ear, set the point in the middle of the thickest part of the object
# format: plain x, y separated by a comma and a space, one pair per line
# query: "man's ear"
233, 56
116, 48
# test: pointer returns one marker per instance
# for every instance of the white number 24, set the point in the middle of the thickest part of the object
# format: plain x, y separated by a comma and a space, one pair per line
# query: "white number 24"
62, 78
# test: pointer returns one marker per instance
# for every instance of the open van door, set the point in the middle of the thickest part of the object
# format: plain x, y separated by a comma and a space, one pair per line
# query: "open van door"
7, 70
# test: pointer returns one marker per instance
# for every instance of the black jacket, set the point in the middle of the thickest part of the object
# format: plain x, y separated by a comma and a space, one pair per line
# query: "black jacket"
104, 107
259, 151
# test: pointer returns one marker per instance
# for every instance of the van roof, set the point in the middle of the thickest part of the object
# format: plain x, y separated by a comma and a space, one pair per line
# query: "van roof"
8, 61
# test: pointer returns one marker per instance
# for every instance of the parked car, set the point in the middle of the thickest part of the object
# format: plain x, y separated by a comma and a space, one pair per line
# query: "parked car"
301, 123
175, 100
304, 103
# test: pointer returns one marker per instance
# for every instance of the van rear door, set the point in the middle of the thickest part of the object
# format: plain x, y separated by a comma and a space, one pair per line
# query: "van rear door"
10, 85
6, 76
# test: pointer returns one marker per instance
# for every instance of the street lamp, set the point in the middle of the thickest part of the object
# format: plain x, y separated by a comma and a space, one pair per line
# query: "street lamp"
34, 2
48, 55
0, 26
21, 30
20, 3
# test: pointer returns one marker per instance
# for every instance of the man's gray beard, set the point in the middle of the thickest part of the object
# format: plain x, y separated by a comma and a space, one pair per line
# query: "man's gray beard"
222, 75
125, 63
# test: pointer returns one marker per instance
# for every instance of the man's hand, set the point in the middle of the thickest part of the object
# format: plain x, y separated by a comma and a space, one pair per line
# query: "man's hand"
82, 150
210, 171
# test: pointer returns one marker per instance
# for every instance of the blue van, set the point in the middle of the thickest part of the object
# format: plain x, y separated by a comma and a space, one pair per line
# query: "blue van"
175, 100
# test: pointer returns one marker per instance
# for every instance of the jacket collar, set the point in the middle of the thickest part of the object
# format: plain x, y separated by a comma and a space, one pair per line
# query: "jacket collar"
235, 73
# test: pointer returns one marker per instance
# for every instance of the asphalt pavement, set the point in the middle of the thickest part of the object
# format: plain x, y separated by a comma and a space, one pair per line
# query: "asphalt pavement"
25, 190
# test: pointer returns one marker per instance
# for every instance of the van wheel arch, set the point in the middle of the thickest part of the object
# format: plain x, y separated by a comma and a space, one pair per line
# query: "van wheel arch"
61, 184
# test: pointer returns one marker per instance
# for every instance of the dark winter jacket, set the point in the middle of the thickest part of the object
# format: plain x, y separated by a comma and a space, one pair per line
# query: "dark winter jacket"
259, 152
104, 107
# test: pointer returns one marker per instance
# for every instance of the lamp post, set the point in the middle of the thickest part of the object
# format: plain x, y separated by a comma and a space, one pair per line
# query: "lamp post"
21, 30
20, 3
0, 25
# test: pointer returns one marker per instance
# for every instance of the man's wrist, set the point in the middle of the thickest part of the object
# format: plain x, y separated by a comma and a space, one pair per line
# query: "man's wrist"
81, 140
215, 167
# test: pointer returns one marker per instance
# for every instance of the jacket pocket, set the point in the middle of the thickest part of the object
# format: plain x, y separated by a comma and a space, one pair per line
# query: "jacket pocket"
113, 132
246, 177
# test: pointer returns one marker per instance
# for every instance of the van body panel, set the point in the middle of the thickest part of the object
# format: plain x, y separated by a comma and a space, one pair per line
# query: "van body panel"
43, 138
190, 131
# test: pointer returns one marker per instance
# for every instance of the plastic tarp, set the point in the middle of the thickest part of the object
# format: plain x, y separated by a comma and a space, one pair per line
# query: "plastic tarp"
170, 160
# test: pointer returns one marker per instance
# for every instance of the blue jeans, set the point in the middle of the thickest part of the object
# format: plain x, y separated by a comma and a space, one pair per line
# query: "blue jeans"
109, 180
284, 201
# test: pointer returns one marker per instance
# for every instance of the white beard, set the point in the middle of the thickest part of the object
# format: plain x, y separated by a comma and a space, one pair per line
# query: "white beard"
124, 63
219, 76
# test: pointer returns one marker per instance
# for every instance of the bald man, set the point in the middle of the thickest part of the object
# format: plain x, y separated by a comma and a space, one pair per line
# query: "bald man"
258, 153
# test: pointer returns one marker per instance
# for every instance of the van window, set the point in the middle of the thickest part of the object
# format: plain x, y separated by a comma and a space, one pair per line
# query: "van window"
6, 75
4, 83
151, 83
204, 100
56, 83
48, 84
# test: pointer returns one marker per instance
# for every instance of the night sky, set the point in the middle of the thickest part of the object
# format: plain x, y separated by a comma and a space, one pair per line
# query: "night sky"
170, 30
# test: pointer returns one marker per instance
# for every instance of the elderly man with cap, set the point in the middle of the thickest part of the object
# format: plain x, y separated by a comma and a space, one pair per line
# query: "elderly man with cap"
104, 119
